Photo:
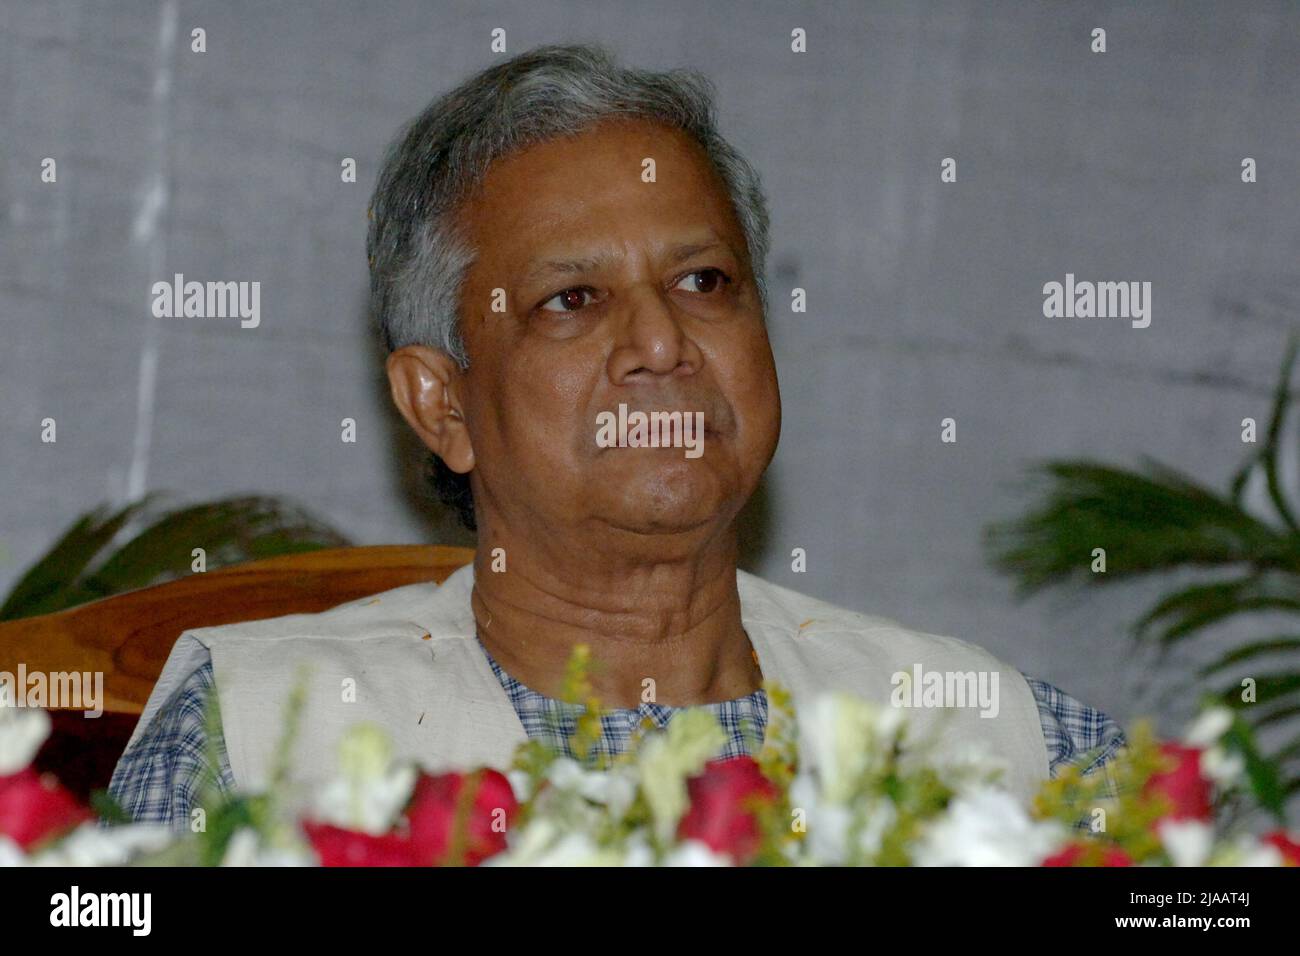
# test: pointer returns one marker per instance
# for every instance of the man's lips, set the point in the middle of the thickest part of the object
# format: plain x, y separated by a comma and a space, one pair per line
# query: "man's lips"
659, 427
717, 417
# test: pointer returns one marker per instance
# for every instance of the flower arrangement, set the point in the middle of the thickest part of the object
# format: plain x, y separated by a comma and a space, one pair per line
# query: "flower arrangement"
841, 784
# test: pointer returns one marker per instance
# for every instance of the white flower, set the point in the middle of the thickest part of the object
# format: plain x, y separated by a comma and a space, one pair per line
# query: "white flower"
1222, 767
827, 823
542, 843
369, 791
528, 844
695, 853
1209, 727
22, 731
830, 825
1247, 850
842, 737
1188, 842
613, 788
667, 759
881, 816
521, 783
93, 845
987, 827
578, 849
247, 849
828, 834
638, 852
11, 854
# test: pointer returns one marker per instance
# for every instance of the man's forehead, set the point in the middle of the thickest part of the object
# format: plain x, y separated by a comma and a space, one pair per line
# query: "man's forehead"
572, 205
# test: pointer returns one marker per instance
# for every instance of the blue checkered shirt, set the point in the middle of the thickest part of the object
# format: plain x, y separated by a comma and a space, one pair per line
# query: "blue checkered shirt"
159, 778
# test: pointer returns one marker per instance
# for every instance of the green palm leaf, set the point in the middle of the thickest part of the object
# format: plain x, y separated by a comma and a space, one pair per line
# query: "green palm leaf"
1154, 520
1270, 690
1248, 651
39, 590
1265, 780
1146, 523
230, 531
1266, 457
1191, 609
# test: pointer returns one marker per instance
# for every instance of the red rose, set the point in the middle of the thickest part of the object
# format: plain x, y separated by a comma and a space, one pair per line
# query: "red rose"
1076, 854
1289, 847
1067, 856
433, 809
724, 799
339, 847
34, 807
1182, 785
1114, 856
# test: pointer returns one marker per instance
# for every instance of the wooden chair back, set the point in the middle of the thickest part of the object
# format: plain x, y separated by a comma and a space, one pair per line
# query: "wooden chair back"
128, 636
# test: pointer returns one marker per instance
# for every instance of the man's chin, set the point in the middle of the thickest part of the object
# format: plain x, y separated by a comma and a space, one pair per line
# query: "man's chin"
664, 510
670, 522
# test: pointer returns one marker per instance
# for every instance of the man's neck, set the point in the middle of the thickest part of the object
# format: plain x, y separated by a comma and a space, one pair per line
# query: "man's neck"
668, 632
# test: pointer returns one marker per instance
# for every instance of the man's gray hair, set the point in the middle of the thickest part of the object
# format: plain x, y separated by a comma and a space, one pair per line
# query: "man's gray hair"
418, 255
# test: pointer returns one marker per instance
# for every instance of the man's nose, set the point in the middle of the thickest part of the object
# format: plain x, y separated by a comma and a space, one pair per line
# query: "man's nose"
653, 341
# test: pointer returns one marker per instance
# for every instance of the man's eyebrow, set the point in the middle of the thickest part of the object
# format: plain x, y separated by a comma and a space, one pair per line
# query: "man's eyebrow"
563, 267
679, 254
676, 254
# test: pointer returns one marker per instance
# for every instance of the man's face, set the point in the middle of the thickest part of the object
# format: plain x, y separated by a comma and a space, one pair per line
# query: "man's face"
616, 291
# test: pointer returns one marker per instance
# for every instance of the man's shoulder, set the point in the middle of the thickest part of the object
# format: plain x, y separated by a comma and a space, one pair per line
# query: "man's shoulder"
813, 620
772, 603
382, 611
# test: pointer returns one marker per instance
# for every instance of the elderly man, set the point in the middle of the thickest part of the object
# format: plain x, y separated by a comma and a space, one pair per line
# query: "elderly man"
557, 241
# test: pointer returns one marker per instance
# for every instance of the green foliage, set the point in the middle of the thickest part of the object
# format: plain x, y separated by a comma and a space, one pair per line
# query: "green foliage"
1154, 520
534, 757
83, 565
1073, 796
918, 798
1261, 773
228, 817
778, 758
107, 808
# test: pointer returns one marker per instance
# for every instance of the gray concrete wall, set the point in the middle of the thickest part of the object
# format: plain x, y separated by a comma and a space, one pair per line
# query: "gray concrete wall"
924, 298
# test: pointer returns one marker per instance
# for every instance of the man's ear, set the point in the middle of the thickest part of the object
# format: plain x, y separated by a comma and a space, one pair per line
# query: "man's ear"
425, 385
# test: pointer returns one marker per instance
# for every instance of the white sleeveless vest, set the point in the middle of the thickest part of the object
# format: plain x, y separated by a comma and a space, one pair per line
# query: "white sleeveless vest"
419, 671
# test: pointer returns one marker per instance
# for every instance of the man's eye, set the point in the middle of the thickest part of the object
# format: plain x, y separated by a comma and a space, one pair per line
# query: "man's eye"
704, 281
570, 300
